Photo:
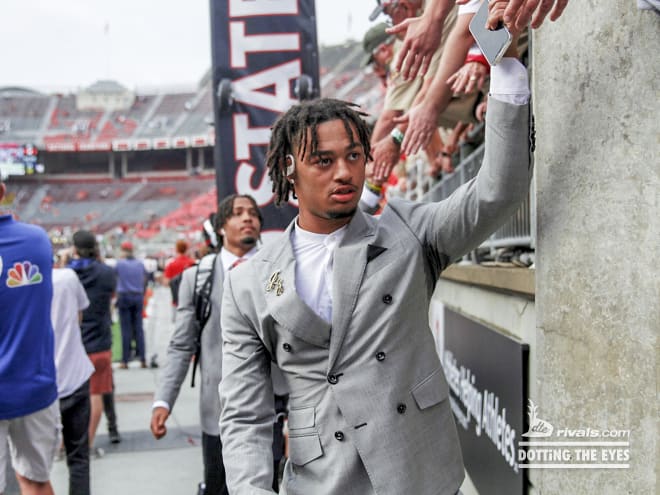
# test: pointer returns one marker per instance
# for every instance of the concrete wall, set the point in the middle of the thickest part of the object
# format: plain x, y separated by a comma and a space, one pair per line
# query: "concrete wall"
596, 89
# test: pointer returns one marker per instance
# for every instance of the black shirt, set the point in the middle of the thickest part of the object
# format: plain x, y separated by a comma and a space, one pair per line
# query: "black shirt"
99, 281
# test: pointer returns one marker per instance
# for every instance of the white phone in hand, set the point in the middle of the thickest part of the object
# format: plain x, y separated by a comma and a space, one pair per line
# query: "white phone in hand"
493, 44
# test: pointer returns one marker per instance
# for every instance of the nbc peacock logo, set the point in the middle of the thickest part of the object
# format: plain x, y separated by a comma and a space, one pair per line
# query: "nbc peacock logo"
22, 274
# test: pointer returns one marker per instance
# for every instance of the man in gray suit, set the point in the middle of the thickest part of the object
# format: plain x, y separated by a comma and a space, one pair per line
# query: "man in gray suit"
341, 302
238, 225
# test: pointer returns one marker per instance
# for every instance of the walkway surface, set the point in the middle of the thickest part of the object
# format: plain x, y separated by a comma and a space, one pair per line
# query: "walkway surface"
140, 465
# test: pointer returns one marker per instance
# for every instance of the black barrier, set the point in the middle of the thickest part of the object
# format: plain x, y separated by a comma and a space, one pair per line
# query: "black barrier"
486, 372
265, 59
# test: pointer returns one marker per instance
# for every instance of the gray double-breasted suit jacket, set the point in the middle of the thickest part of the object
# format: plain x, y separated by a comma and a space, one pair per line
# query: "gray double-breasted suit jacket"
368, 397
182, 348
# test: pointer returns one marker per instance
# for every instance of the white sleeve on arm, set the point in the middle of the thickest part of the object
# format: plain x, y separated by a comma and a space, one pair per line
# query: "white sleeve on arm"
509, 82
160, 403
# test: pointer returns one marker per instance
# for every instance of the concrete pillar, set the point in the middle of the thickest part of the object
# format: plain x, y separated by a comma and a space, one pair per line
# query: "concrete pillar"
124, 164
111, 164
189, 160
596, 91
200, 159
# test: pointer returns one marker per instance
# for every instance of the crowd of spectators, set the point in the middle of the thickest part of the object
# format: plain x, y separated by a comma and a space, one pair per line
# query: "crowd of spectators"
435, 101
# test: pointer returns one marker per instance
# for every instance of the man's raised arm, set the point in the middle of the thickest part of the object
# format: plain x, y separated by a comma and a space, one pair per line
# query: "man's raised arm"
478, 208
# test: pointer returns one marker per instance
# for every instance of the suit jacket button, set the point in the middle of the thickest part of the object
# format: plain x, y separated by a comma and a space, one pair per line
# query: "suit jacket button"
286, 346
332, 379
401, 408
339, 435
387, 299
380, 356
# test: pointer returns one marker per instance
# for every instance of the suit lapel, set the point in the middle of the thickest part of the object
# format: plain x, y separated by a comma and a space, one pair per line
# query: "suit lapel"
287, 308
350, 260
374, 251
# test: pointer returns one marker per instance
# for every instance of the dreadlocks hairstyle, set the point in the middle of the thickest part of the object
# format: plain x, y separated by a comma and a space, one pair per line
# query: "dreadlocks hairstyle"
290, 130
226, 211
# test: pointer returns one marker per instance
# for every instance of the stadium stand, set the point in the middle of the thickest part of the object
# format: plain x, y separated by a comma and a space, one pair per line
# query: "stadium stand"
342, 77
22, 113
19, 195
121, 124
181, 189
67, 123
101, 205
168, 116
188, 216
200, 114
73, 191
142, 167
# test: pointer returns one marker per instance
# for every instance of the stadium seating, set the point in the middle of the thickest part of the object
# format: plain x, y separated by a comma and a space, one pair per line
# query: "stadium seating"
167, 116
68, 124
158, 192
104, 204
52, 120
22, 116
200, 115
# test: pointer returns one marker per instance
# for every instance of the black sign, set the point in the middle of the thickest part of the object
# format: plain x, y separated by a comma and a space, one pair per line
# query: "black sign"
486, 372
264, 60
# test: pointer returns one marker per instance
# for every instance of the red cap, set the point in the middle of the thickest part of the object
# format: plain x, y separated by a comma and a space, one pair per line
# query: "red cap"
127, 246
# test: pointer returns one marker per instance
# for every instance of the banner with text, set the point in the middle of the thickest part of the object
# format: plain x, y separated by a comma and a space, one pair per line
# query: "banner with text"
265, 58
486, 372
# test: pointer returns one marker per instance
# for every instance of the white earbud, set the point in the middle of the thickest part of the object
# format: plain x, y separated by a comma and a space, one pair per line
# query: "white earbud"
222, 232
290, 166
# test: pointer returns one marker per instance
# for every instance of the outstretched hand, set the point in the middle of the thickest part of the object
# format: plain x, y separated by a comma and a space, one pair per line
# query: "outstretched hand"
516, 14
422, 122
468, 78
421, 41
386, 155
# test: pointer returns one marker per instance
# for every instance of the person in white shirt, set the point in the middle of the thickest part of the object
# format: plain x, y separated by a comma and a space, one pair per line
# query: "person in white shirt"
73, 371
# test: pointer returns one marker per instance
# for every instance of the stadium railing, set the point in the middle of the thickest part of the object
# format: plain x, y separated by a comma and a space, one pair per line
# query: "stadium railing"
518, 231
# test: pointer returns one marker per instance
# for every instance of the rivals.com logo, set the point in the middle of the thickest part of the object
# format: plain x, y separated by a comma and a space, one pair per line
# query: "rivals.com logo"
588, 451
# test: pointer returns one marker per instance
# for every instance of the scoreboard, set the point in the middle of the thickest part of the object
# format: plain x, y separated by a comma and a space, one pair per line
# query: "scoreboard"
19, 159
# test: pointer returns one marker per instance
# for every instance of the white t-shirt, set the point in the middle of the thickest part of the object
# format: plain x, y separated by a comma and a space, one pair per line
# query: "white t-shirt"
314, 255
73, 365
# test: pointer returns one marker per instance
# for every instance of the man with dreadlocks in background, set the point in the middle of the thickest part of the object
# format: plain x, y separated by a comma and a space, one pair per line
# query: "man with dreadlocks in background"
340, 304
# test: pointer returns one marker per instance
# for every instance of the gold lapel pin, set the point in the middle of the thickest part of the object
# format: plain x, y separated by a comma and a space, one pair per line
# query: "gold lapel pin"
275, 283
